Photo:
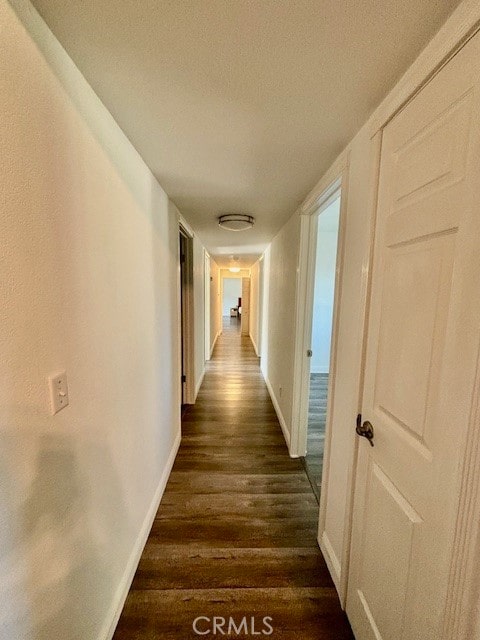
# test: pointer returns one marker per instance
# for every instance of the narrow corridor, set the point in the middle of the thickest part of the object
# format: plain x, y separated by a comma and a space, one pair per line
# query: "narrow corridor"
235, 534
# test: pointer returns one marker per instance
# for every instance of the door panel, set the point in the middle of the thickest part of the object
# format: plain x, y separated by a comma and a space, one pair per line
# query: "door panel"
421, 359
390, 527
417, 283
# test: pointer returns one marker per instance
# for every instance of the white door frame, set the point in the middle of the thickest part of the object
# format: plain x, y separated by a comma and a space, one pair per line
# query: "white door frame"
336, 185
188, 318
208, 346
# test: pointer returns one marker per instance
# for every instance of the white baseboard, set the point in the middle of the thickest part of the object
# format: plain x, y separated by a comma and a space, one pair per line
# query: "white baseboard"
254, 345
123, 588
331, 559
199, 384
278, 411
214, 343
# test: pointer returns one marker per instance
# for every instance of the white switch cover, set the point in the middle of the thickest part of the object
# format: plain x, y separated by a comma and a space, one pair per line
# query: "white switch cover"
58, 391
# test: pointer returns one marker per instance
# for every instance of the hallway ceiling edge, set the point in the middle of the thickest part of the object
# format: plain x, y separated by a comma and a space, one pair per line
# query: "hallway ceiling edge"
240, 107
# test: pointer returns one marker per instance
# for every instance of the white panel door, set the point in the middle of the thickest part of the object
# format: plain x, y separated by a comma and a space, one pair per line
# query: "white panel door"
422, 351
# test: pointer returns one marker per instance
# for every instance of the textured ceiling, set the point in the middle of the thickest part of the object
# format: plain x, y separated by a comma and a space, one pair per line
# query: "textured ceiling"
241, 105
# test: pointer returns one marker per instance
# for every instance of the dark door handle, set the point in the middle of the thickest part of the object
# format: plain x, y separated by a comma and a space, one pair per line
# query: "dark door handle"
366, 431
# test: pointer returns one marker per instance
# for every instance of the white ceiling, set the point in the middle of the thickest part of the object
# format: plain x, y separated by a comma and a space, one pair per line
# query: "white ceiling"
241, 105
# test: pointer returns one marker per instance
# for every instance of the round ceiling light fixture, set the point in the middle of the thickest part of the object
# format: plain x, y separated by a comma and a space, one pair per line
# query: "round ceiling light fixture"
236, 221
234, 269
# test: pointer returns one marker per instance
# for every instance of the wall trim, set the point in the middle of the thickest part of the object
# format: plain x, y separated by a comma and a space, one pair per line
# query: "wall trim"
327, 186
279, 413
333, 184
185, 226
123, 588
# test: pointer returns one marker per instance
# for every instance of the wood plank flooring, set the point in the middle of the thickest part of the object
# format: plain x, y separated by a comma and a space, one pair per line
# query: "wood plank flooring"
235, 534
317, 418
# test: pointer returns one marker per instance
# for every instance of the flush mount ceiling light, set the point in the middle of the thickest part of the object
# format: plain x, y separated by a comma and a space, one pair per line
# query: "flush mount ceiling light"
236, 221
234, 269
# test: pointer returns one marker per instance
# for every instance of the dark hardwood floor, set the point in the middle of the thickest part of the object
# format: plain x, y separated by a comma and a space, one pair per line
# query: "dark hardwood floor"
235, 534
317, 418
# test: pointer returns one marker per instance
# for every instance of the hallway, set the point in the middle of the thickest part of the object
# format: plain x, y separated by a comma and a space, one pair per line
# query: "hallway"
235, 534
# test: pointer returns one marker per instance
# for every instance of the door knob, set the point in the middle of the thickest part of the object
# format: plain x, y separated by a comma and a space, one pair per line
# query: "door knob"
365, 430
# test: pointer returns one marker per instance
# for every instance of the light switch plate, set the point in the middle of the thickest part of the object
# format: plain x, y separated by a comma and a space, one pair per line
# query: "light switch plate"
58, 391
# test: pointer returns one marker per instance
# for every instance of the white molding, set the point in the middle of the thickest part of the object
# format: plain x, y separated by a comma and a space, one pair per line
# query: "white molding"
124, 586
302, 334
327, 189
278, 411
199, 384
331, 560
456, 31
185, 226
327, 186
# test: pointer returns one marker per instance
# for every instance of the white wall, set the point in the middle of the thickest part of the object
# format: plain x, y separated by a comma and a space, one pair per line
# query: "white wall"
232, 291
327, 236
279, 325
88, 260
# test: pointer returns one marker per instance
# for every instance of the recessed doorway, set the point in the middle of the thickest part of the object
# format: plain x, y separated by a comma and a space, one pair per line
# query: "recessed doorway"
232, 299
186, 316
322, 321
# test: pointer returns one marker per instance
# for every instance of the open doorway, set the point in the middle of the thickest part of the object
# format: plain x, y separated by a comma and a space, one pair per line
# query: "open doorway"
321, 340
207, 291
231, 300
186, 316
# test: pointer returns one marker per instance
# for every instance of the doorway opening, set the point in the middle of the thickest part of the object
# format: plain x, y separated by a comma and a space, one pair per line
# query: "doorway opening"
207, 291
328, 219
186, 317
231, 301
